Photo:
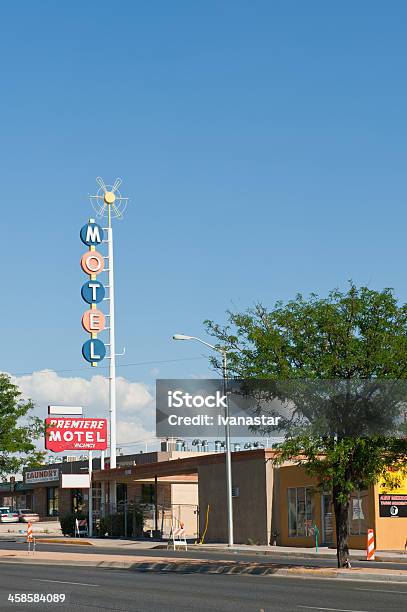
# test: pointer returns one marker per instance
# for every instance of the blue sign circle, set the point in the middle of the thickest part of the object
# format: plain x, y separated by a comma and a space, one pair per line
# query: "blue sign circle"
94, 350
93, 292
91, 234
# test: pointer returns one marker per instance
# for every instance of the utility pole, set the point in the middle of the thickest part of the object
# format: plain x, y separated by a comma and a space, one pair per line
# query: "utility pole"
228, 452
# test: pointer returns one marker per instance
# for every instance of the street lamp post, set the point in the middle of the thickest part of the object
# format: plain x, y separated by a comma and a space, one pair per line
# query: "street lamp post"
229, 499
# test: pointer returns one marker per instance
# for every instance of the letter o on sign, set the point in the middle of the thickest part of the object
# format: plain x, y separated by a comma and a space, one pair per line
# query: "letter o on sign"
92, 262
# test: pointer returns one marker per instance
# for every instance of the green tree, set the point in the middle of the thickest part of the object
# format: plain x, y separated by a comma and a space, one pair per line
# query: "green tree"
18, 430
352, 335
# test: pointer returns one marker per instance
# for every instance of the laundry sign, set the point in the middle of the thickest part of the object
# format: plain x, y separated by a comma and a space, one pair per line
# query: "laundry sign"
41, 475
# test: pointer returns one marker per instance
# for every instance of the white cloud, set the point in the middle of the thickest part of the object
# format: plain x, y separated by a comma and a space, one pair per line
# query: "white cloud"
135, 403
134, 432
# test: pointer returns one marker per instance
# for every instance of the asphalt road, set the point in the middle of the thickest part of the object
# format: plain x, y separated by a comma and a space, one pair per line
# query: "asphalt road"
92, 589
198, 554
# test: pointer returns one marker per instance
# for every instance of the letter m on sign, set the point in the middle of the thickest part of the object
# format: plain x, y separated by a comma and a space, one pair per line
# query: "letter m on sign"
93, 234
55, 436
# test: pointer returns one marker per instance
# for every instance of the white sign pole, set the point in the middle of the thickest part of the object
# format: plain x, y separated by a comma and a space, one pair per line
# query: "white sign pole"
102, 485
90, 498
112, 369
112, 374
115, 205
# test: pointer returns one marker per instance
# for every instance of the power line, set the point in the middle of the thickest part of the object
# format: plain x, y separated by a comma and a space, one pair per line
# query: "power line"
124, 365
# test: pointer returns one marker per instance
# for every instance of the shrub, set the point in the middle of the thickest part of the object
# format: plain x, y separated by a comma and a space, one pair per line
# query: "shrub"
68, 523
114, 525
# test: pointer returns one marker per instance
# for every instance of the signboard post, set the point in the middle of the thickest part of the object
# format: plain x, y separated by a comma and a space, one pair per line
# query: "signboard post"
108, 202
90, 498
62, 433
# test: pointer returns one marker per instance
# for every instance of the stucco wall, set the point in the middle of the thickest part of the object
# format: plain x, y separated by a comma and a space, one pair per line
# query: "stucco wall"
295, 476
39, 501
390, 532
251, 509
65, 501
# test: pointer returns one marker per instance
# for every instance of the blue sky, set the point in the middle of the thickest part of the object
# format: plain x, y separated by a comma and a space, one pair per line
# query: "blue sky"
263, 145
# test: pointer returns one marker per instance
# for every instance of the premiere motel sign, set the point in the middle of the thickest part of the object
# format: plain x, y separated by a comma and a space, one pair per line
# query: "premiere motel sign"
93, 292
63, 434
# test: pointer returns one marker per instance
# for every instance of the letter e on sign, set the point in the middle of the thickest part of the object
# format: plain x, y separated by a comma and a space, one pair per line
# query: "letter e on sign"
93, 321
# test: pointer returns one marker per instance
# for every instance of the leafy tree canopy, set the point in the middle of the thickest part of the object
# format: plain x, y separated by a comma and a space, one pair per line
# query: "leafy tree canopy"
18, 430
356, 334
360, 333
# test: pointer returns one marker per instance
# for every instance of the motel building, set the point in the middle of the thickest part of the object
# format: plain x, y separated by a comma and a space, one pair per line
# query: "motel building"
271, 505
41, 488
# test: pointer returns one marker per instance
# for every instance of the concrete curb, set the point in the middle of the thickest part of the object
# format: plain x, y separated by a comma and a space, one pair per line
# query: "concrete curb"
264, 553
48, 540
77, 542
389, 559
210, 567
196, 547
289, 554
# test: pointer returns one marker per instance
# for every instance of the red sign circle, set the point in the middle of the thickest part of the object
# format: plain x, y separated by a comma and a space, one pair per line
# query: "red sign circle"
92, 262
93, 321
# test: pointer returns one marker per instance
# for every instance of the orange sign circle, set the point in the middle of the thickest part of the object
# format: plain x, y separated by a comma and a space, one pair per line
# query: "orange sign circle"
93, 321
92, 262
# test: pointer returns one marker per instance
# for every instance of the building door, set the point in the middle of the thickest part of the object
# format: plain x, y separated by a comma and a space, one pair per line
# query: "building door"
121, 496
327, 519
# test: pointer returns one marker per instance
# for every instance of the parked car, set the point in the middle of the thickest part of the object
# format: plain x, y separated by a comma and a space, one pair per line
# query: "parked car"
25, 515
7, 515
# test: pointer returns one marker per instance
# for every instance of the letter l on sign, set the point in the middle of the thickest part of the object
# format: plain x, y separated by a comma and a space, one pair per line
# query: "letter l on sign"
93, 355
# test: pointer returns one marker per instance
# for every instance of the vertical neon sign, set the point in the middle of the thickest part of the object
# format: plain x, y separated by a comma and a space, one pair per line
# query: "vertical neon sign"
93, 292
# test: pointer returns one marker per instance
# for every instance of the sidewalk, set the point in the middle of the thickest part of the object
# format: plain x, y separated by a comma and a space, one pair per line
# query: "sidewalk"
97, 542
324, 552
8, 530
186, 565
102, 542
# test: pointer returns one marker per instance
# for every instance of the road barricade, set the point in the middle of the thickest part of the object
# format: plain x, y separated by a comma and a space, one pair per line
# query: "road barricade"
370, 550
81, 528
30, 538
177, 536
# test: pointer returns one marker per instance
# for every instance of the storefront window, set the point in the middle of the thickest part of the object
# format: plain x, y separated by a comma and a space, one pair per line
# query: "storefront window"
358, 513
78, 503
300, 511
121, 493
52, 501
147, 493
97, 497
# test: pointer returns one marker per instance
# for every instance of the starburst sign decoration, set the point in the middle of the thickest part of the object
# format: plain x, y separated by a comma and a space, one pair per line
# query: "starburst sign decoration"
108, 202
